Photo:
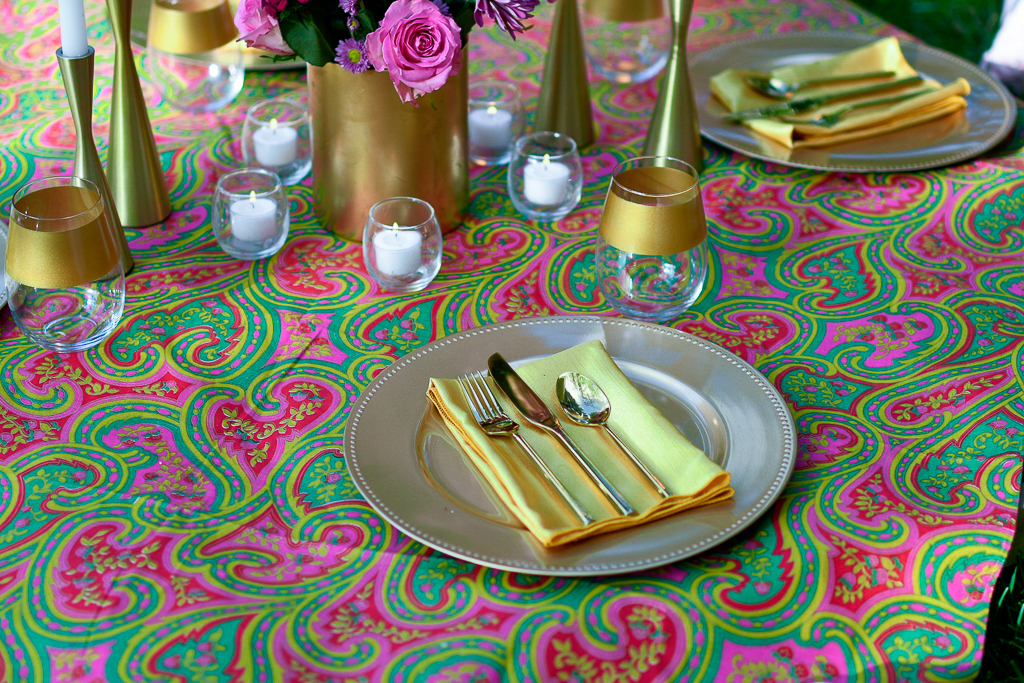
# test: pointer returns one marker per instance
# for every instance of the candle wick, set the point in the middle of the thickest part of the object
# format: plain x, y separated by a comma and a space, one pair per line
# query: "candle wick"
252, 198
394, 226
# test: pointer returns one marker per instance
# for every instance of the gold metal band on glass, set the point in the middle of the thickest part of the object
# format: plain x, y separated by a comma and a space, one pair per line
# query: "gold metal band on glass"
654, 211
625, 10
44, 251
190, 26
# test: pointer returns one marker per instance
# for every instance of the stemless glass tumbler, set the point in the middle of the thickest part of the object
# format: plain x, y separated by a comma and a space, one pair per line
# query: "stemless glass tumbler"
652, 254
402, 244
626, 42
65, 279
192, 55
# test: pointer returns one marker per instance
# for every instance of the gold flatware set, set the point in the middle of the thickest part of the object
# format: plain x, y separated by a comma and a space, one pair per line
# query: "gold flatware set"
581, 400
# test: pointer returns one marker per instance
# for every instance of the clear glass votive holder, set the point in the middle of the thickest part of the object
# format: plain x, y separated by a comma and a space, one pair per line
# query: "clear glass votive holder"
652, 252
250, 213
275, 136
402, 244
545, 176
63, 268
626, 42
495, 121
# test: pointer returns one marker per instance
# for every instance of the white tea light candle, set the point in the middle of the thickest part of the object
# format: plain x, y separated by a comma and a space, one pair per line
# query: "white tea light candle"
73, 41
275, 145
399, 252
253, 219
545, 183
490, 128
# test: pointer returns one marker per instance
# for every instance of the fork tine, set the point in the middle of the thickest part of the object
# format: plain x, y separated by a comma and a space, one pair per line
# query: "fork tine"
479, 389
464, 383
490, 397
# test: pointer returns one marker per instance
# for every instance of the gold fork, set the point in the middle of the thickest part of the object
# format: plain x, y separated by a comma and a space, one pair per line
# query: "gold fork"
492, 419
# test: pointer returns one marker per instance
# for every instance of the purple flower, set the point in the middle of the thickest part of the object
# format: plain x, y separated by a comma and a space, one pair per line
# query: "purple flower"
443, 6
352, 56
352, 24
507, 14
348, 6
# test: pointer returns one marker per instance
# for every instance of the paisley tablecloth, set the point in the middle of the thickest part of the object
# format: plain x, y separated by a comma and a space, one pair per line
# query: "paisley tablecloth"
176, 505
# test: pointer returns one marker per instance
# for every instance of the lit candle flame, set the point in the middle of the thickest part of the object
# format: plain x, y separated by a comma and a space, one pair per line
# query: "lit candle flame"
492, 110
394, 226
252, 198
273, 125
547, 159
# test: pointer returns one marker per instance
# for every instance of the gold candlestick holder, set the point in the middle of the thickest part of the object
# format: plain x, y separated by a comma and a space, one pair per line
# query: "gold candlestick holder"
564, 103
674, 130
133, 163
77, 74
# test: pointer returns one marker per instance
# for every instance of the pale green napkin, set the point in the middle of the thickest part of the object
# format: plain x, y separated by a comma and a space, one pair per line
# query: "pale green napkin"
685, 469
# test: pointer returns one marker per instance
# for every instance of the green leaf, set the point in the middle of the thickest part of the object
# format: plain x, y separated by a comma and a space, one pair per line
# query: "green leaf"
300, 30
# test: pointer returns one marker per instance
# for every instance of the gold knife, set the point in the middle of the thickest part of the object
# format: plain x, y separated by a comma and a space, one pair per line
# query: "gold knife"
536, 411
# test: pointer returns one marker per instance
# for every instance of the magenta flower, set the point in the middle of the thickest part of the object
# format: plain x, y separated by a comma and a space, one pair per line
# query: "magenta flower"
417, 45
507, 14
348, 6
352, 56
256, 21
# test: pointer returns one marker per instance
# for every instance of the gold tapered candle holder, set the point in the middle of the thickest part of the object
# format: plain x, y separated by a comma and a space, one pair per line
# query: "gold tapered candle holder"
133, 164
77, 74
674, 130
564, 103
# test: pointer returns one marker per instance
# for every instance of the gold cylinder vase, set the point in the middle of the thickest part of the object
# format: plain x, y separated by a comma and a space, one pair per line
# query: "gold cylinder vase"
368, 145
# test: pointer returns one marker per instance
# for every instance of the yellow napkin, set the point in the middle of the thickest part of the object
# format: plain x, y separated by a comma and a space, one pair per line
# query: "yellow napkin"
685, 470
931, 103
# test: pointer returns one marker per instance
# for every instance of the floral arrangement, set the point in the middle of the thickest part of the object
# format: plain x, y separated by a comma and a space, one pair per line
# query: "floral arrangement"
418, 42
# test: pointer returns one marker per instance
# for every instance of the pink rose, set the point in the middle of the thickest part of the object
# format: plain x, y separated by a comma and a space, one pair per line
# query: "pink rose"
257, 24
417, 45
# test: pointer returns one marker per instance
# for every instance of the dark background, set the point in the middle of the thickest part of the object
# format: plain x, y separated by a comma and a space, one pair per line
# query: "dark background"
964, 27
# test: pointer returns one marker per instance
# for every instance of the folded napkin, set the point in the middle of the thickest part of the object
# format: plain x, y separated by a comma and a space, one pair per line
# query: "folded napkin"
930, 102
511, 473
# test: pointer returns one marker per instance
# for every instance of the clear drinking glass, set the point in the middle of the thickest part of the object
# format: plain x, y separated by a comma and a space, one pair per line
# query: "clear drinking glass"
495, 121
545, 176
250, 213
626, 42
64, 276
402, 244
201, 82
276, 136
652, 253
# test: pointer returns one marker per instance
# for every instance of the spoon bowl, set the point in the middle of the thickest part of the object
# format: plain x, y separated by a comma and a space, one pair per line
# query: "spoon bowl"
585, 403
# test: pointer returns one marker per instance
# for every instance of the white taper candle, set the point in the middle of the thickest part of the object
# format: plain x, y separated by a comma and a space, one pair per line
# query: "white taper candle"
73, 41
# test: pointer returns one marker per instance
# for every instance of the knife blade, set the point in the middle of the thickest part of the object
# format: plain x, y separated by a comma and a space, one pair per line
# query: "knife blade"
533, 408
810, 103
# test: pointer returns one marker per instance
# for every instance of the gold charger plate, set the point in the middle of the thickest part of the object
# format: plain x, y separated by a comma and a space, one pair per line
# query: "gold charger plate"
405, 464
986, 121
